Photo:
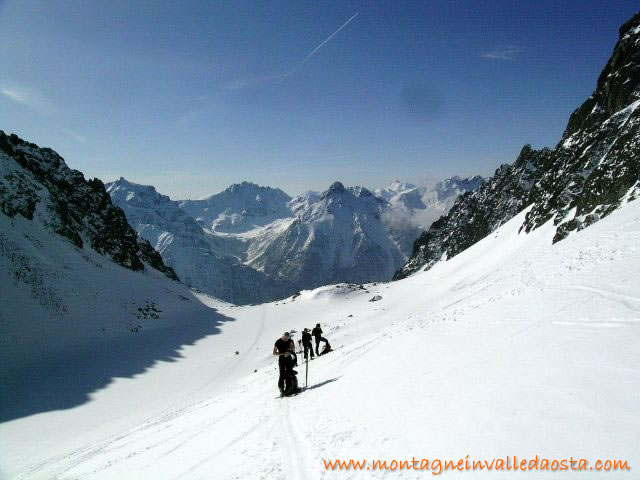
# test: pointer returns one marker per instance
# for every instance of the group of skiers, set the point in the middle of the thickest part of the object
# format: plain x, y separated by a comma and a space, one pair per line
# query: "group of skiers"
285, 349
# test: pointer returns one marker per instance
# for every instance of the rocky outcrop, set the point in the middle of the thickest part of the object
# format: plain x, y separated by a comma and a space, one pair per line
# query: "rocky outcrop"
592, 170
36, 182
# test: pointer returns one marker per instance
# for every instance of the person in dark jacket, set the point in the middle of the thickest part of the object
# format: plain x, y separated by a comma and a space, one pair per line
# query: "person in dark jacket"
317, 335
306, 343
284, 348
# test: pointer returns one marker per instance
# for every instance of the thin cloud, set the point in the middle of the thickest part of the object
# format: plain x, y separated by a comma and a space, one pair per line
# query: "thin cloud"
253, 81
75, 135
16, 96
315, 50
506, 52
28, 98
277, 78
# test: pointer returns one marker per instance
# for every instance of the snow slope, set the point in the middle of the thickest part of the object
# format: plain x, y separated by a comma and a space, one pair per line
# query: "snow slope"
63, 306
514, 347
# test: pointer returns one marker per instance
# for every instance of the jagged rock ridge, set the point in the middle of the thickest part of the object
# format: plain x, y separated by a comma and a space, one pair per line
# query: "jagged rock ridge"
593, 169
36, 181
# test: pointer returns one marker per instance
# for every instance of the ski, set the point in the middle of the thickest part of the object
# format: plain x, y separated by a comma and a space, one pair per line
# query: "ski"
289, 396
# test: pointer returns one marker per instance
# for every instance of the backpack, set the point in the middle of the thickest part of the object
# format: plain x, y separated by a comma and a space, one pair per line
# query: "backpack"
291, 385
326, 348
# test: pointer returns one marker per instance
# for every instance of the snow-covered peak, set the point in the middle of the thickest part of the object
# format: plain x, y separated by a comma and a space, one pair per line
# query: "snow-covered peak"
360, 192
335, 236
394, 188
336, 188
130, 192
239, 208
338, 199
201, 260
413, 209
303, 201
247, 191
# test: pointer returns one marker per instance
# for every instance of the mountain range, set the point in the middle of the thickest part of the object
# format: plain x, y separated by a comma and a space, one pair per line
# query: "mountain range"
250, 244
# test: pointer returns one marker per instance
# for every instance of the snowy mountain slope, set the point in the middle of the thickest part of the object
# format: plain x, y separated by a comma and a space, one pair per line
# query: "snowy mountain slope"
192, 253
76, 281
394, 189
517, 346
240, 208
413, 209
591, 171
36, 184
335, 237
66, 306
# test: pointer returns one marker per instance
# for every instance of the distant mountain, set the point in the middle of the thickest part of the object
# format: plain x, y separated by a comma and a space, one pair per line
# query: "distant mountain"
251, 244
594, 168
189, 250
395, 189
336, 236
413, 209
239, 208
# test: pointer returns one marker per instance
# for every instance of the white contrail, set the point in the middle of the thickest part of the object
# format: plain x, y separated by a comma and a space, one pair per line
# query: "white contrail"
313, 52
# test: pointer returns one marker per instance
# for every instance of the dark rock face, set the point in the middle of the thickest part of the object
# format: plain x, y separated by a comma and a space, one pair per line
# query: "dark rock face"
592, 170
73, 207
597, 161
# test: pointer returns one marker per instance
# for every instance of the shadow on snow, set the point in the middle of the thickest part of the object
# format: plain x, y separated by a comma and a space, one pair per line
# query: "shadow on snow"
321, 384
66, 380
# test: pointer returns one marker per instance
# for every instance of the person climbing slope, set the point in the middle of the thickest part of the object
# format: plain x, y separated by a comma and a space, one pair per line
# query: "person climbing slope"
306, 343
283, 349
317, 335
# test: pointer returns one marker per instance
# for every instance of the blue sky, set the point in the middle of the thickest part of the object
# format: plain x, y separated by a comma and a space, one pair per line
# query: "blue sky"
194, 96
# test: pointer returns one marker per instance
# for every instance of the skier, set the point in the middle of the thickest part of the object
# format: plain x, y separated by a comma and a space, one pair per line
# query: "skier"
283, 349
317, 334
306, 343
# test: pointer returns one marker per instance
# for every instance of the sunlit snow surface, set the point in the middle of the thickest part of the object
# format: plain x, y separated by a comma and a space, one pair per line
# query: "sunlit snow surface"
514, 347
